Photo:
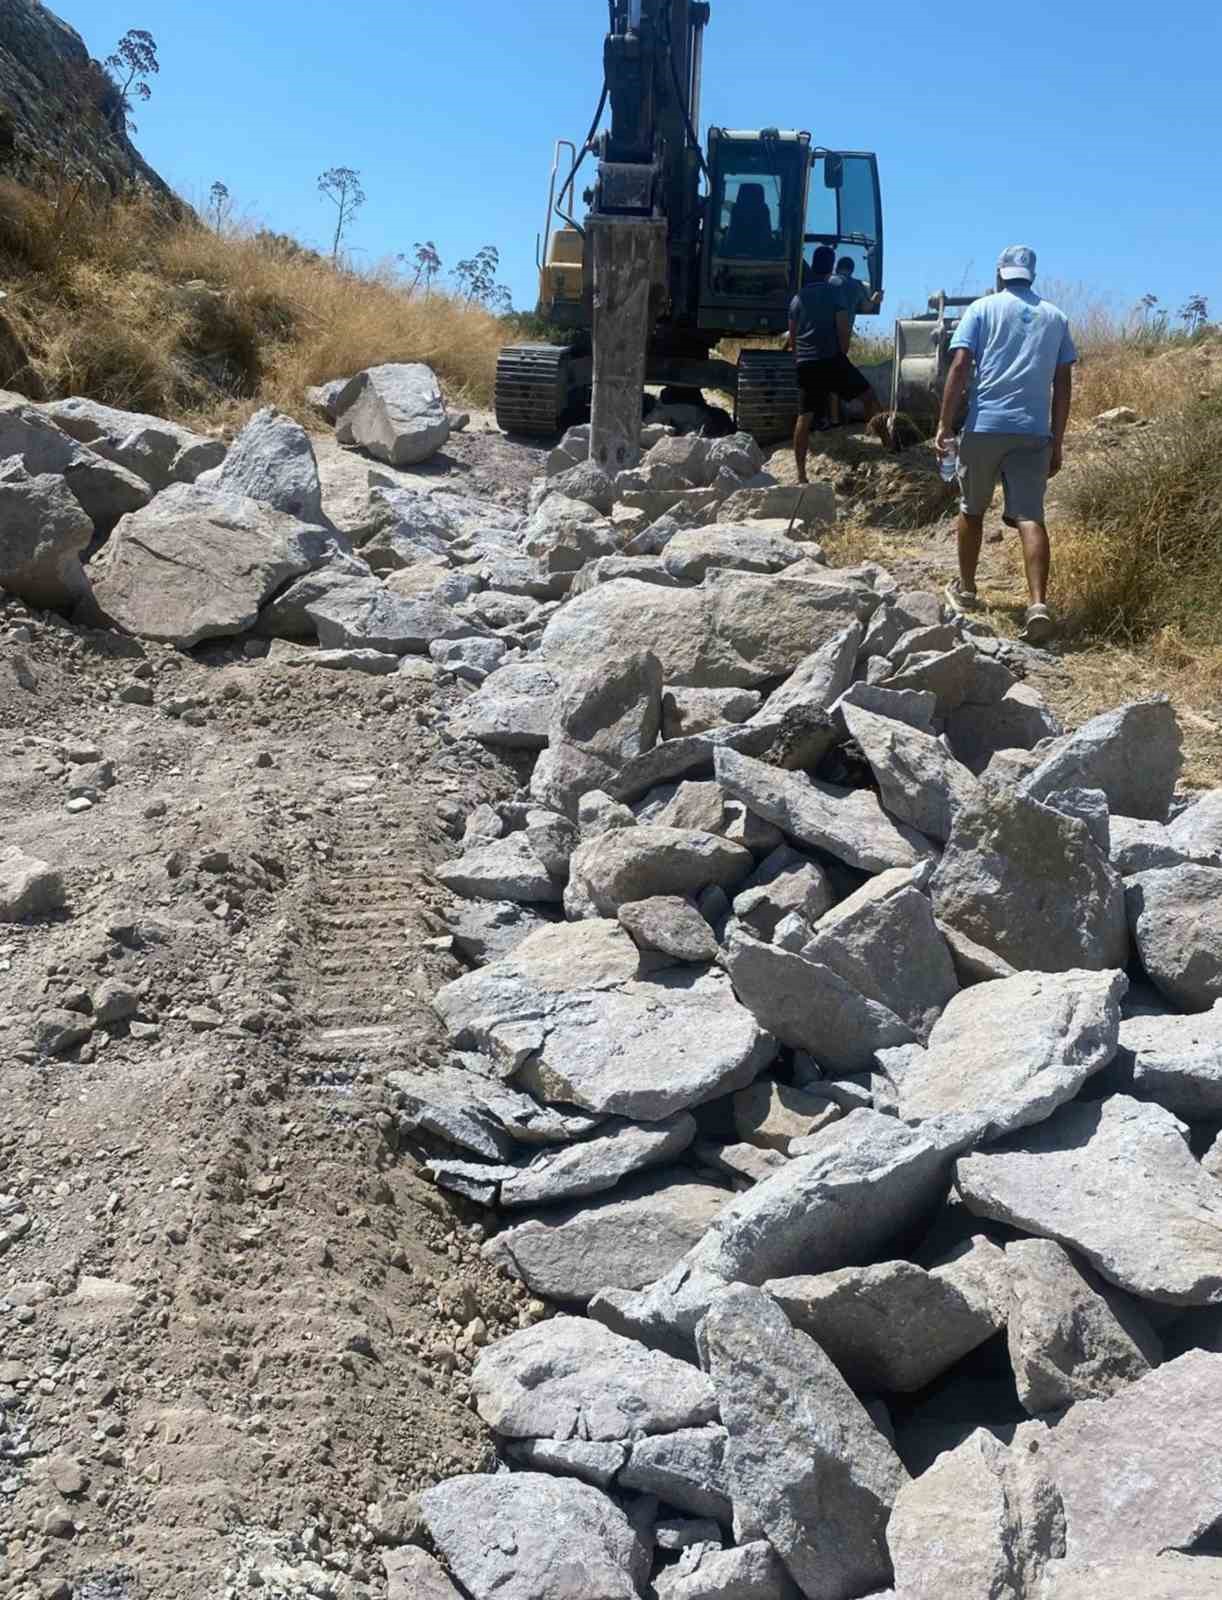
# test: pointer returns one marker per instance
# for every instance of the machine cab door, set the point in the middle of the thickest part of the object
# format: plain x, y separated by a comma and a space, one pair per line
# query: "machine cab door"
845, 210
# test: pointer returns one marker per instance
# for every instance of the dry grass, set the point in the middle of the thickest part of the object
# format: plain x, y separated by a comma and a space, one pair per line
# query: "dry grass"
118, 301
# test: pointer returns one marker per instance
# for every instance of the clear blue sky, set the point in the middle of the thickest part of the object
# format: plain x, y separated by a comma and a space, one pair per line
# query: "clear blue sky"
1088, 128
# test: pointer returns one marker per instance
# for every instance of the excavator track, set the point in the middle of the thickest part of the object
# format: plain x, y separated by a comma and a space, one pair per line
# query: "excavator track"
766, 395
532, 388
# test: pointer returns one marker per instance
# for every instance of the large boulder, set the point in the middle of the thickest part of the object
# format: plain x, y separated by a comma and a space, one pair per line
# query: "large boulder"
981, 1523
28, 887
571, 1011
272, 461
630, 864
1142, 1472
808, 1006
1177, 1060
43, 530
572, 1378
366, 615
104, 490
1005, 1055
198, 563
1116, 1181
287, 615
1176, 917
625, 1239
159, 452
803, 1453
522, 1536
736, 631
564, 534
1132, 754
513, 708
395, 412
1029, 884
1072, 1337
601, 719
883, 942
847, 823
693, 552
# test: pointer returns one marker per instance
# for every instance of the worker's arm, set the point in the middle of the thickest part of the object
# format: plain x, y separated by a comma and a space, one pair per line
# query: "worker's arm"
957, 381
1062, 399
843, 331
792, 343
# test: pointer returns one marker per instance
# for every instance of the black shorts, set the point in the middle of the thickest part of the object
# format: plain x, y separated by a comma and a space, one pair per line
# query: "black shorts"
835, 375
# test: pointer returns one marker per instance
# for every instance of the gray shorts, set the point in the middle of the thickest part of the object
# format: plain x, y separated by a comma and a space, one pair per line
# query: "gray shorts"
1020, 460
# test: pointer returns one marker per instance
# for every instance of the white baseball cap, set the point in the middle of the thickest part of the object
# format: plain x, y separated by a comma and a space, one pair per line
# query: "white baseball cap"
1016, 264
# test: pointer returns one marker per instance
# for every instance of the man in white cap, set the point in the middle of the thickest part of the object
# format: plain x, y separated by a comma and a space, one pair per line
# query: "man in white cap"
1023, 355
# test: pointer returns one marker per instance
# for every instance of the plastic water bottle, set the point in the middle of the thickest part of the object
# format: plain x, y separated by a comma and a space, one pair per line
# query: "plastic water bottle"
948, 466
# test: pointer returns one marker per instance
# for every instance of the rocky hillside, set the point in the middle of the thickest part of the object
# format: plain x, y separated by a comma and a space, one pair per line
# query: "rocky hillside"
59, 111
563, 1043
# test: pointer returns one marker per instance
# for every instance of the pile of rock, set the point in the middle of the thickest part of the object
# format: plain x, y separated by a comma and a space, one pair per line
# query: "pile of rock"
842, 1051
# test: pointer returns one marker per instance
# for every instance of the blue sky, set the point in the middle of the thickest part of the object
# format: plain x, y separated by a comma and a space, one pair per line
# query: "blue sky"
1088, 128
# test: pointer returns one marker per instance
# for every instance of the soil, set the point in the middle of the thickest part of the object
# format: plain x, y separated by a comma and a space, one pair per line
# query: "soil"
236, 1319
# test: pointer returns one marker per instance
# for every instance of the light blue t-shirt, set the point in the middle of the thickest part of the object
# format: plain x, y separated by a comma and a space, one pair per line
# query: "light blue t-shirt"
1018, 341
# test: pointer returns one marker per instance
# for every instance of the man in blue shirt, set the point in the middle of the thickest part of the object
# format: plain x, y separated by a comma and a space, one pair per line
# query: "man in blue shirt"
1022, 352
819, 336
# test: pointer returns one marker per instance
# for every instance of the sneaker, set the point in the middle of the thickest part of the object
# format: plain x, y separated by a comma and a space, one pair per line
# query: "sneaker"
960, 599
1040, 626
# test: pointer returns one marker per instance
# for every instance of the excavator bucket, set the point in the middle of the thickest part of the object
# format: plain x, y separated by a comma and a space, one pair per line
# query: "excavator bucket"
922, 359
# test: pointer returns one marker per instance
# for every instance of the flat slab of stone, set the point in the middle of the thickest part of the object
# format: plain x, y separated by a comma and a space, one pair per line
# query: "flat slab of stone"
367, 615
1132, 754
849, 824
809, 1007
569, 1378
592, 1166
512, 709
803, 1453
1141, 1472
1177, 1060
1115, 1181
471, 1112
770, 1115
625, 1239
1007, 1054
1176, 918
1072, 1337
1029, 884
571, 1014
983, 1521
891, 1326
694, 551
517, 1536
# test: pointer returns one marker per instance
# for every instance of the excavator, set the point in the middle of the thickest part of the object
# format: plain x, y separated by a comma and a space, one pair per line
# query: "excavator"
680, 246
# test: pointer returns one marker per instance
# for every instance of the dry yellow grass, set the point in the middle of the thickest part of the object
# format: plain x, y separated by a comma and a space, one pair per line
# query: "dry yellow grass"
118, 301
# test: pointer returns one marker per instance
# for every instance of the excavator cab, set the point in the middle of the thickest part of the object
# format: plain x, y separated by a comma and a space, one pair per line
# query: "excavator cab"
845, 210
753, 229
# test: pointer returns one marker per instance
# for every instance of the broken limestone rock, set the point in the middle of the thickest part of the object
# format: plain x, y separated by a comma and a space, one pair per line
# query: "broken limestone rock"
1177, 1060
921, 783
513, 708
810, 1007
1115, 1181
638, 863
746, 1572
785, 884
199, 563
1072, 1337
159, 452
695, 551
688, 711
1019, 721
1197, 831
848, 823
272, 460
521, 1535
43, 531
502, 869
571, 1378
670, 925
820, 680
626, 1239
981, 1523
893, 1326
1176, 918
616, 1150
685, 1468
28, 887
563, 535
469, 1111
1132, 754
572, 1013
1030, 885
803, 1453
771, 1114
369, 616
395, 412
1141, 1472
1005, 1055
884, 943
412, 1574
1169, 1575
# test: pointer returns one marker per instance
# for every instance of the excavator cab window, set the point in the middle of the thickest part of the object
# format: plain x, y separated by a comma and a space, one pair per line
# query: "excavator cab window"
753, 232
848, 215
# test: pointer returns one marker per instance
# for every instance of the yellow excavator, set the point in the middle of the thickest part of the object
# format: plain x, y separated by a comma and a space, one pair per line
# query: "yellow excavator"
678, 246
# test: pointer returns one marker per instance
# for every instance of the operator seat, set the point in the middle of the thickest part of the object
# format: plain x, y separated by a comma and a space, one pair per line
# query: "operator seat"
750, 229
